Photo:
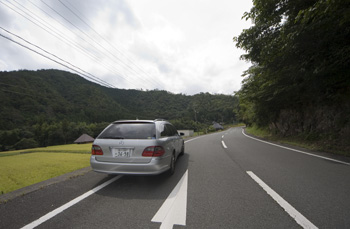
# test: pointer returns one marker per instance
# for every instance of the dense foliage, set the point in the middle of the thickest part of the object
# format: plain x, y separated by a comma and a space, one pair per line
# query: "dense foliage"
299, 82
50, 107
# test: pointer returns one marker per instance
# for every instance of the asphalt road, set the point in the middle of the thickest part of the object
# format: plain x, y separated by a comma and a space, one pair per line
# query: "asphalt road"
216, 190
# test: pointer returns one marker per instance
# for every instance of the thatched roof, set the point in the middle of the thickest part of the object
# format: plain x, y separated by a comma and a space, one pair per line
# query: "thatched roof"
84, 139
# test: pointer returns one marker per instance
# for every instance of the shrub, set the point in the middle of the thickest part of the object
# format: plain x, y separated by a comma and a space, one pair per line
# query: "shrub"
26, 143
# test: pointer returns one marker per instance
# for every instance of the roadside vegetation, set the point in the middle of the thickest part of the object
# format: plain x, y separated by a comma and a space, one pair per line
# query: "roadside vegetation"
298, 85
22, 168
307, 142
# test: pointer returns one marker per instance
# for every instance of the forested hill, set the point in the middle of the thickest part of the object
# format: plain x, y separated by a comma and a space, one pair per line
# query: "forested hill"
299, 83
49, 107
29, 97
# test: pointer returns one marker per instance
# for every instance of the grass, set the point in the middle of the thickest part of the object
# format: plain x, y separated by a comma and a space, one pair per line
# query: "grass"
263, 133
195, 134
72, 148
22, 168
301, 141
266, 134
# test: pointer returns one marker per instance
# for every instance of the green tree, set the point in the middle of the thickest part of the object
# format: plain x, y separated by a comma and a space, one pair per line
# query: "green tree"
300, 55
56, 107
299, 79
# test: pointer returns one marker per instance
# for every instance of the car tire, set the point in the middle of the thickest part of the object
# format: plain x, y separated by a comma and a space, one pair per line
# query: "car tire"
182, 150
172, 165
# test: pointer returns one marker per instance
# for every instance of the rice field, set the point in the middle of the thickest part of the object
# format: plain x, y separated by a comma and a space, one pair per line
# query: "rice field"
22, 168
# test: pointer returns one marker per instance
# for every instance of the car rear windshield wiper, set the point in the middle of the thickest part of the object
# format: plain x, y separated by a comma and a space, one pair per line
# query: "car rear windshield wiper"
112, 137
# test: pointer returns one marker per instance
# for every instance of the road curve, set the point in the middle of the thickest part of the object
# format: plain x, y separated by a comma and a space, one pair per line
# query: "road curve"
221, 191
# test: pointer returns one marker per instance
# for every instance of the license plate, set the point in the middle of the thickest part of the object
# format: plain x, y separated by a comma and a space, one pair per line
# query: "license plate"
122, 152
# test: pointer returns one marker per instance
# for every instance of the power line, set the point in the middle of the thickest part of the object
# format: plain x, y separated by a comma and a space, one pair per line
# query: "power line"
119, 51
94, 57
82, 49
62, 37
36, 20
24, 46
100, 81
129, 68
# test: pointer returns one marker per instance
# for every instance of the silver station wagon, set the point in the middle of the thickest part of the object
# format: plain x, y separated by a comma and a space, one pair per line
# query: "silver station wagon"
137, 147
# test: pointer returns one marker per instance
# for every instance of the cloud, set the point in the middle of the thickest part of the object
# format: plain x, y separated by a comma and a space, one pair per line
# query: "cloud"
126, 13
5, 17
179, 46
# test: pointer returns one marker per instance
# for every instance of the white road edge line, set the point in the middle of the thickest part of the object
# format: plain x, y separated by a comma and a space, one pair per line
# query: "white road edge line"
297, 216
295, 150
223, 144
69, 204
173, 210
192, 139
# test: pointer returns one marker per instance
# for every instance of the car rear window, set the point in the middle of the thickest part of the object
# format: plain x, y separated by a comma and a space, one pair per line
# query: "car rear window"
129, 131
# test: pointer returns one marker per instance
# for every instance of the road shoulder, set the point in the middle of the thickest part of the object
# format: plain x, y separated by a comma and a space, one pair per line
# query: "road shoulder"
32, 188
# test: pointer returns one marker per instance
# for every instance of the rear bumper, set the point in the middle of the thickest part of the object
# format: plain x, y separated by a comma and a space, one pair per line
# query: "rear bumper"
156, 166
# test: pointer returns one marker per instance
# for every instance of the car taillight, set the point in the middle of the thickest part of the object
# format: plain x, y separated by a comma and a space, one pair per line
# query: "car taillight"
153, 151
96, 150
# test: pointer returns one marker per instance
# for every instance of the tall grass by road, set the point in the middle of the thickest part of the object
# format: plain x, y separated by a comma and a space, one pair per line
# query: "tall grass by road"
22, 168
300, 140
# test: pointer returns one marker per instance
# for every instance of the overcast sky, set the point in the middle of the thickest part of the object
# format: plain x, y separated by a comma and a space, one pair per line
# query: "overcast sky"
182, 46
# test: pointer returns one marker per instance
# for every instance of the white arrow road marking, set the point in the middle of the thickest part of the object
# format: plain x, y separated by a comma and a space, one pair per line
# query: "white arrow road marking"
173, 210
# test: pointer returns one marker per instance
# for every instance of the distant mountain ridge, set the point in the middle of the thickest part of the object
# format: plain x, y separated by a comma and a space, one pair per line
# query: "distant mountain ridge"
56, 95
28, 96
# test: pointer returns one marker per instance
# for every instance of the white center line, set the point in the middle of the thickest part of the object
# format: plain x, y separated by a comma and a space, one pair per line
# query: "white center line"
69, 204
223, 144
297, 216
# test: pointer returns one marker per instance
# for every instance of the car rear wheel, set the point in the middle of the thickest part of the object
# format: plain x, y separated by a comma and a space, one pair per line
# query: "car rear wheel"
172, 165
182, 150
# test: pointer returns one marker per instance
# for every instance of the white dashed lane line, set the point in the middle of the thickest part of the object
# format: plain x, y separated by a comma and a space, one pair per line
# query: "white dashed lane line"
223, 144
297, 216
